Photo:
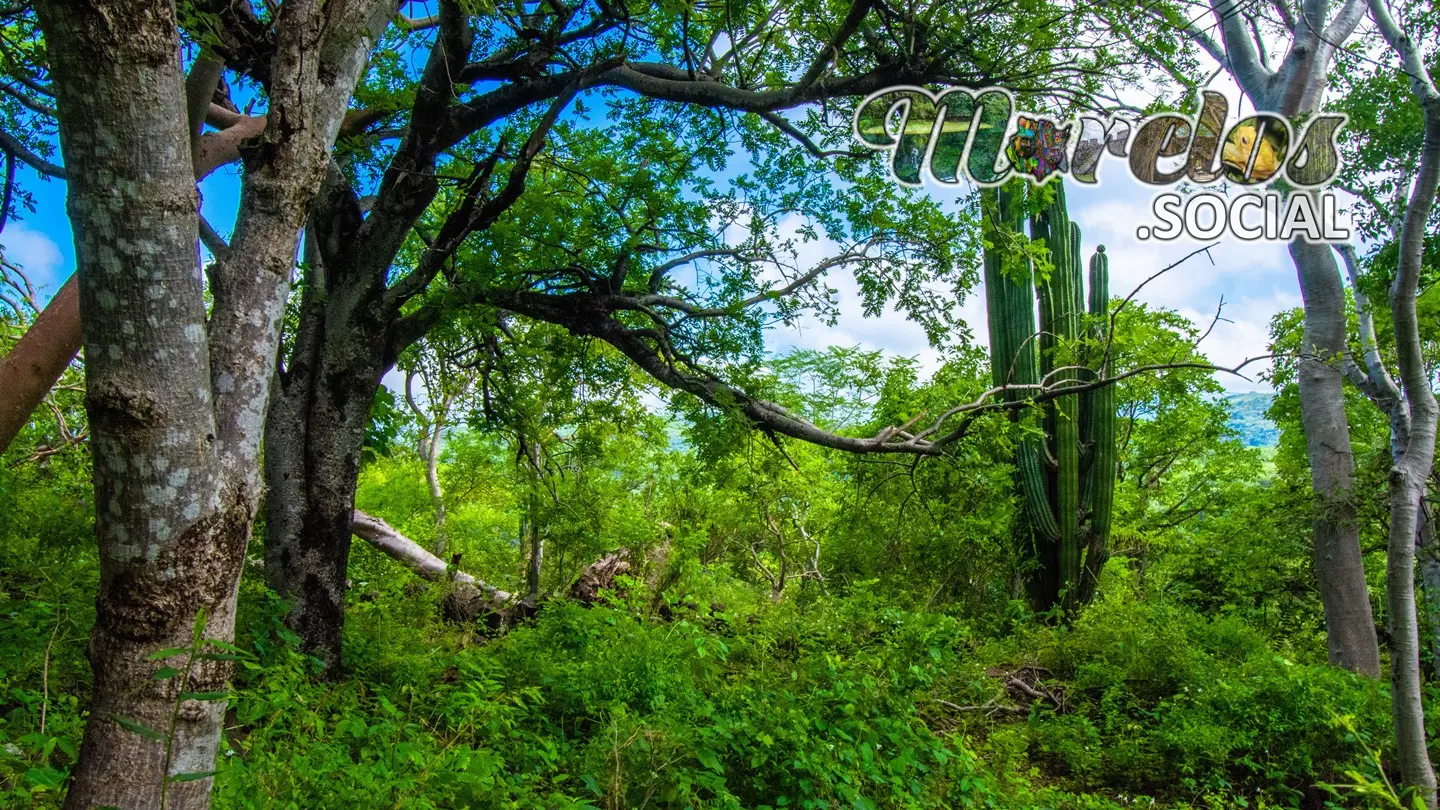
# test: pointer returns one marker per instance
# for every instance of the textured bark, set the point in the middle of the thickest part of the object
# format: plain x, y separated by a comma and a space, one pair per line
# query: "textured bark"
1339, 568
314, 437
170, 540
31, 368
600, 576
315, 430
175, 399
170, 536
1407, 482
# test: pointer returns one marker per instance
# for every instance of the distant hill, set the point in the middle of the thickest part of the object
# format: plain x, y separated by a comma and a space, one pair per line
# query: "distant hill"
1247, 416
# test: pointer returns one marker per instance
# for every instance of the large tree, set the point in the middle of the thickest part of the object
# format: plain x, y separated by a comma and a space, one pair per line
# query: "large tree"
176, 394
1313, 31
674, 232
1413, 416
178, 389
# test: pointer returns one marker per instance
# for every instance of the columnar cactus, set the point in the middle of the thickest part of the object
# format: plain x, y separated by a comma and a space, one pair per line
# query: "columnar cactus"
1066, 477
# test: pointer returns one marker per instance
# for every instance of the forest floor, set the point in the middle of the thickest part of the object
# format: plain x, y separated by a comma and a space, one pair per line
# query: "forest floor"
730, 699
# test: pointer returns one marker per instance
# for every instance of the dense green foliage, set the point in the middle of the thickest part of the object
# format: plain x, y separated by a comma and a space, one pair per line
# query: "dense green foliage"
802, 628
799, 627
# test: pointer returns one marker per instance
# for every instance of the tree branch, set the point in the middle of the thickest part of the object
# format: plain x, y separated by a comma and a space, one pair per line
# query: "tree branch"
12, 145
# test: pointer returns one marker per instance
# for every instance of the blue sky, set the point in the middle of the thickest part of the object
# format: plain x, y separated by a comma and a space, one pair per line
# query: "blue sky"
1256, 280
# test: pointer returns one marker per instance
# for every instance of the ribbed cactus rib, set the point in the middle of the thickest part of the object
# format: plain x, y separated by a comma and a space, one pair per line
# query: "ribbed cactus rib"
1013, 350
1067, 479
1065, 306
1102, 421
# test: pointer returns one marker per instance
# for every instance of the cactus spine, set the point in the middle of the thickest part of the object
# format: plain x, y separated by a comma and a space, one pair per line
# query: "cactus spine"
1066, 478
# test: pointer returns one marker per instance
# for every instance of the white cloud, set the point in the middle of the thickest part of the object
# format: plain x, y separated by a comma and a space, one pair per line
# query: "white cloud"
1255, 280
38, 255
891, 332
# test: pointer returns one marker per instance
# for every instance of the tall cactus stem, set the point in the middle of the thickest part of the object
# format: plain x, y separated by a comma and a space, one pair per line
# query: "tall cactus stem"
1101, 425
1066, 479
1013, 349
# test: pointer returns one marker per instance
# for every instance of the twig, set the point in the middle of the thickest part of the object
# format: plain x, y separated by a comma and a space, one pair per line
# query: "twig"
45, 677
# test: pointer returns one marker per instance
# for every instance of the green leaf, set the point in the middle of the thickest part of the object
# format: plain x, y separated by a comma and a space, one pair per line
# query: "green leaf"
45, 777
170, 652
225, 645
710, 759
590, 782
135, 728
192, 776
209, 656
165, 673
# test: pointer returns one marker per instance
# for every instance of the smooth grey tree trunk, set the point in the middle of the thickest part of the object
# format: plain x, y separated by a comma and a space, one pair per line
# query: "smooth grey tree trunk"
1378, 384
1339, 568
437, 493
432, 434
1296, 87
1410, 473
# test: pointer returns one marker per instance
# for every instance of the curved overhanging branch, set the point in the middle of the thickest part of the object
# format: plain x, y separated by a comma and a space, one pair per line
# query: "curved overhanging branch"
593, 315
590, 314
11, 145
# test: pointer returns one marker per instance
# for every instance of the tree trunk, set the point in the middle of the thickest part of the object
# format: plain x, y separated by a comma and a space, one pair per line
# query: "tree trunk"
390, 542
1411, 471
314, 438
536, 543
1407, 482
176, 399
432, 478
1297, 88
315, 426
1427, 557
1339, 569
432, 427
532, 541
171, 538
30, 369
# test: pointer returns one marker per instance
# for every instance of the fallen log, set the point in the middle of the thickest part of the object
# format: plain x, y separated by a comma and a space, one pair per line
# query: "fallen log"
389, 541
471, 598
599, 576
